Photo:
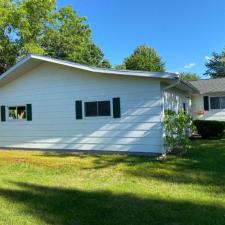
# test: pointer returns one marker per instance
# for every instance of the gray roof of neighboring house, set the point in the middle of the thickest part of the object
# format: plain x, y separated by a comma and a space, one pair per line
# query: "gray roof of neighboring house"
210, 85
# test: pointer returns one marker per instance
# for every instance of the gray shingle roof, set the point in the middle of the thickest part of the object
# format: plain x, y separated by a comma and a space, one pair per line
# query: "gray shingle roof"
210, 85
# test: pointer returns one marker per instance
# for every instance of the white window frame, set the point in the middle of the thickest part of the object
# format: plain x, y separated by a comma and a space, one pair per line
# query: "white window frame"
16, 106
95, 117
219, 102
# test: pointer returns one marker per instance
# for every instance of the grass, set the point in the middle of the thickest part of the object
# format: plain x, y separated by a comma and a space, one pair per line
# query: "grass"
66, 189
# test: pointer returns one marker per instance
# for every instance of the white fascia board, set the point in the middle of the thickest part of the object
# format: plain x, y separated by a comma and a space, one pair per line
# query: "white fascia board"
105, 71
88, 68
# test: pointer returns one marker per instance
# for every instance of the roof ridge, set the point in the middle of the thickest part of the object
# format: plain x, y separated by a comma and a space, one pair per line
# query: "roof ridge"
98, 68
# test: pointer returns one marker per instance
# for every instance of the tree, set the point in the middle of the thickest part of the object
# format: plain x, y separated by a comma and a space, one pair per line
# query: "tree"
34, 26
120, 67
8, 52
216, 65
31, 19
189, 76
92, 55
70, 38
144, 58
106, 64
8, 48
176, 126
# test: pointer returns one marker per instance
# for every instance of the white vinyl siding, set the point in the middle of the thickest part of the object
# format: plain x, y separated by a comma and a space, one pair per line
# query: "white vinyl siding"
211, 114
175, 99
53, 90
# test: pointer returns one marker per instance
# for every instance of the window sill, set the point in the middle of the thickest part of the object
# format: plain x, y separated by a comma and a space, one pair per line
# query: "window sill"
96, 117
21, 120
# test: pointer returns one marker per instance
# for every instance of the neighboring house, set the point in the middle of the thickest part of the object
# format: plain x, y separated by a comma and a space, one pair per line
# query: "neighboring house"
54, 104
210, 103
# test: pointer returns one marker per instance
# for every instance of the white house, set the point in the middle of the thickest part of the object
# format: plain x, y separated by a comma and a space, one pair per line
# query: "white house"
54, 104
210, 103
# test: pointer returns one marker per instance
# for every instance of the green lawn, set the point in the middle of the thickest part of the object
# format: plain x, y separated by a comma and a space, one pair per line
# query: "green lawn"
51, 188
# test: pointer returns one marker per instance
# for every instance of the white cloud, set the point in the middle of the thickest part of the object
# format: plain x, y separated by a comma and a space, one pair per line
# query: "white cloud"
189, 66
207, 58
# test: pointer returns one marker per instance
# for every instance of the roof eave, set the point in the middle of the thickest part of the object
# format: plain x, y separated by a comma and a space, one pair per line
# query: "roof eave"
88, 68
192, 87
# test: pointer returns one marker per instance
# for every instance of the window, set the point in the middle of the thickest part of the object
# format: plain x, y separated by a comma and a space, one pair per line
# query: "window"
104, 108
222, 102
17, 113
101, 108
91, 109
217, 102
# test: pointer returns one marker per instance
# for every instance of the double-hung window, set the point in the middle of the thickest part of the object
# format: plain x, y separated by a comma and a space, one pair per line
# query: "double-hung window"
17, 113
97, 108
217, 102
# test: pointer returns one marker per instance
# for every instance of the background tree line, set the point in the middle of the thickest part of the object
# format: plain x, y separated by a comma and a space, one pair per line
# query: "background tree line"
35, 26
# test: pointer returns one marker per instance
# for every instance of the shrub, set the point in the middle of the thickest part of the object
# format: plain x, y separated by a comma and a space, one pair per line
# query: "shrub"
176, 126
210, 128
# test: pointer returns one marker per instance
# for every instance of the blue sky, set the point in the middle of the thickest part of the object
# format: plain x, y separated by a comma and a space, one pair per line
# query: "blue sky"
184, 32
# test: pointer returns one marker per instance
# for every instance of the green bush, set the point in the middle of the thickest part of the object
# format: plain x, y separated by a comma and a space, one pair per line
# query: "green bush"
210, 128
177, 127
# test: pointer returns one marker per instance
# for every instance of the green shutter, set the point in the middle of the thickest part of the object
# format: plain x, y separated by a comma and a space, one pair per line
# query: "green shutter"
206, 103
29, 112
78, 108
3, 113
116, 108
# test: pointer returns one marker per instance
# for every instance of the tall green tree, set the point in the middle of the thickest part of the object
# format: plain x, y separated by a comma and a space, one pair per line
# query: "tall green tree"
8, 52
189, 76
216, 65
31, 19
5, 5
69, 37
35, 26
144, 58
8, 47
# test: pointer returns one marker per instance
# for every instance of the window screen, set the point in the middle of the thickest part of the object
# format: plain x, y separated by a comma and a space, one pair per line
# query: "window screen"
100, 108
104, 108
12, 115
215, 103
222, 102
91, 109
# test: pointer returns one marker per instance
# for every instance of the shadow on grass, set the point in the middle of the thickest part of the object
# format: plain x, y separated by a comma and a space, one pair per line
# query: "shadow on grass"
75, 207
206, 155
101, 161
203, 165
